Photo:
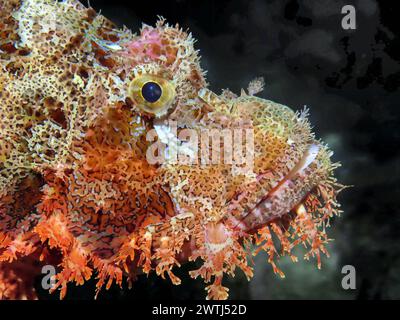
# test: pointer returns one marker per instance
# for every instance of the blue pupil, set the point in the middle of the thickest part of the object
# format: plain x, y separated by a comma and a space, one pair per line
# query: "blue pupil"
151, 91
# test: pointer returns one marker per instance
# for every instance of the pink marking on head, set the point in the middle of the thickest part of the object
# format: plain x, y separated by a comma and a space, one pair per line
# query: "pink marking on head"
147, 46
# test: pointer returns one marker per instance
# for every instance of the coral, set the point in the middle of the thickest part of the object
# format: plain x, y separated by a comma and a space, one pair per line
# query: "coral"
77, 190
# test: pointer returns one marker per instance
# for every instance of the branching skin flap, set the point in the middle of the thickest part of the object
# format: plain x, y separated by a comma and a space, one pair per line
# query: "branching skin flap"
78, 101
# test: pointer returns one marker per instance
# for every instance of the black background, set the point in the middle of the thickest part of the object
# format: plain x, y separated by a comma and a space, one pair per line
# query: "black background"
349, 79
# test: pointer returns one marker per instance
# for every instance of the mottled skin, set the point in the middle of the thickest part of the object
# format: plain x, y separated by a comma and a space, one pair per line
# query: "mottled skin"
77, 190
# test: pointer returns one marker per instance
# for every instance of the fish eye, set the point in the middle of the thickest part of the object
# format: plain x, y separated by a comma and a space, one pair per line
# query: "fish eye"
152, 94
151, 91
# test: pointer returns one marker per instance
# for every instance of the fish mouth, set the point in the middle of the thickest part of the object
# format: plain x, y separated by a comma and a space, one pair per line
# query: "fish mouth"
286, 195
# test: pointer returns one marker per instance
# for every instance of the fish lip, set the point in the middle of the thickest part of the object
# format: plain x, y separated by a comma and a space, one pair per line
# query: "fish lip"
257, 217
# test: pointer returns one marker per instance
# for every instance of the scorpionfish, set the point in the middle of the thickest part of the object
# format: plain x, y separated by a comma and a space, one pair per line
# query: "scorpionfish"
106, 169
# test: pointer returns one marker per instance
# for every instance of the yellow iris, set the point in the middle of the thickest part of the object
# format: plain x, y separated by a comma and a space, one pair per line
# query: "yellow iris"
152, 94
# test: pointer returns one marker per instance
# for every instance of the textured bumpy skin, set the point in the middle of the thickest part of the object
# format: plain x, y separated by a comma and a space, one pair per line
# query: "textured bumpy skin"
77, 191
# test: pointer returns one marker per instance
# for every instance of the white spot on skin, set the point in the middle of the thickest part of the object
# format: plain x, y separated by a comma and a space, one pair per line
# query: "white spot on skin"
301, 210
311, 155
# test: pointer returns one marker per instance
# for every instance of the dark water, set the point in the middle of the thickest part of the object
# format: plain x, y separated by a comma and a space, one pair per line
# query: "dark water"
350, 82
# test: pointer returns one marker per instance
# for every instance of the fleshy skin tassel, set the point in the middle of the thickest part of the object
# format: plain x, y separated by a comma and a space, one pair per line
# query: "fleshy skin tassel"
81, 103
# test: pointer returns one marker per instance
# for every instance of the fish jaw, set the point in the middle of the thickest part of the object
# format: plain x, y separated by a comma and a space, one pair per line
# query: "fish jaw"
285, 195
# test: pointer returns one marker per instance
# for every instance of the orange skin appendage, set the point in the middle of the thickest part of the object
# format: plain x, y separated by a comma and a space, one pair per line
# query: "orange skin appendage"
77, 190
